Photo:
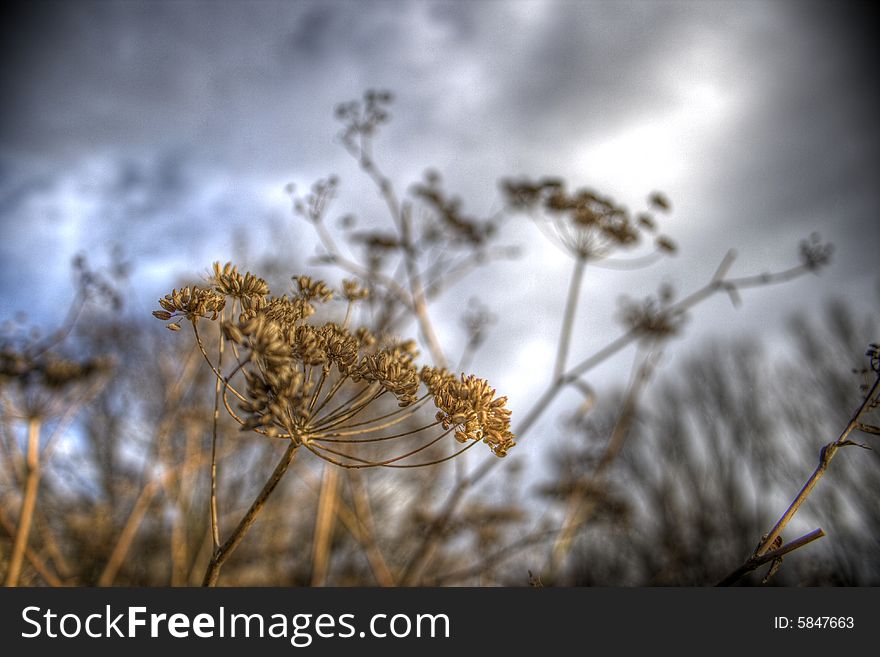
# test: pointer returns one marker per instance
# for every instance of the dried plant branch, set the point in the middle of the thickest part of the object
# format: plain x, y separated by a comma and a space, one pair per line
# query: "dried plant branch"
220, 556
430, 539
868, 428
28, 503
580, 507
215, 419
571, 303
756, 561
825, 455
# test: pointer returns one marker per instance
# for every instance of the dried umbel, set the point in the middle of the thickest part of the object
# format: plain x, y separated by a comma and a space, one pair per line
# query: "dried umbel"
470, 407
324, 386
584, 223
654, 316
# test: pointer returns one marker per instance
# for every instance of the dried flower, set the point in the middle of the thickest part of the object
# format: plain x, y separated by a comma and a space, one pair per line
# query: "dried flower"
353, 291
469, 405
653, 316
814, 253
584, 223
322, 385
191, 303
228, 281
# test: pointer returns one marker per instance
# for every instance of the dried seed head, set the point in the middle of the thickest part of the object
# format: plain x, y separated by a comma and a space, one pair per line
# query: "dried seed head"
353, 291
395, 374
583, 222
228, 281
470, 405
321, 384
191, 303
310, 290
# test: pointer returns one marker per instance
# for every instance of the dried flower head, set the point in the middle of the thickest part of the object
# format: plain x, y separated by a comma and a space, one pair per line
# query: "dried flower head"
228, 281
469, 405
354, 291
584, 223
654, 316
324, 386
191, 303
814, 253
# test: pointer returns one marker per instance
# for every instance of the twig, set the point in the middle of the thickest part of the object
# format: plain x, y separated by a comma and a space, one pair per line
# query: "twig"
215, 528
226, 550
428, 544
571, 303
756, 561
580, 509
28, 503
825, 455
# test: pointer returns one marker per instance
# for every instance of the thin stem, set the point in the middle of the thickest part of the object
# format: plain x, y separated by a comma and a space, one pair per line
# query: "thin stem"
825, 455
423, 553
324, 525
574, 289
341, 415
758, 560
357, 441
215, 528
420, 304
333, 390
217, 372
226, 550
28, 503
386, 462
403, 413
366, 535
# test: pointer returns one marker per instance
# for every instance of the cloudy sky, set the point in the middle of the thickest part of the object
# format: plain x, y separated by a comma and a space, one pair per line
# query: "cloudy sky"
171, 128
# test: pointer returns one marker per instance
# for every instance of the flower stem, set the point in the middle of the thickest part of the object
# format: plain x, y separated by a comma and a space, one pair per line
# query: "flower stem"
220, 556
574, 289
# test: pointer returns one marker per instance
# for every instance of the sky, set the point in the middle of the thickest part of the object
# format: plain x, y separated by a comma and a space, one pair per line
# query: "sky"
171, 129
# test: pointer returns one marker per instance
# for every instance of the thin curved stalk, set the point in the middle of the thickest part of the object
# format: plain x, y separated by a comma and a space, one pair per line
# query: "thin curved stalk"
220, 556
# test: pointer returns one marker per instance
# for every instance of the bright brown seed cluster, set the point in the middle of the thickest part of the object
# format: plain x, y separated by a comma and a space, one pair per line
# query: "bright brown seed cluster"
325, 385
470, 405
190, 303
